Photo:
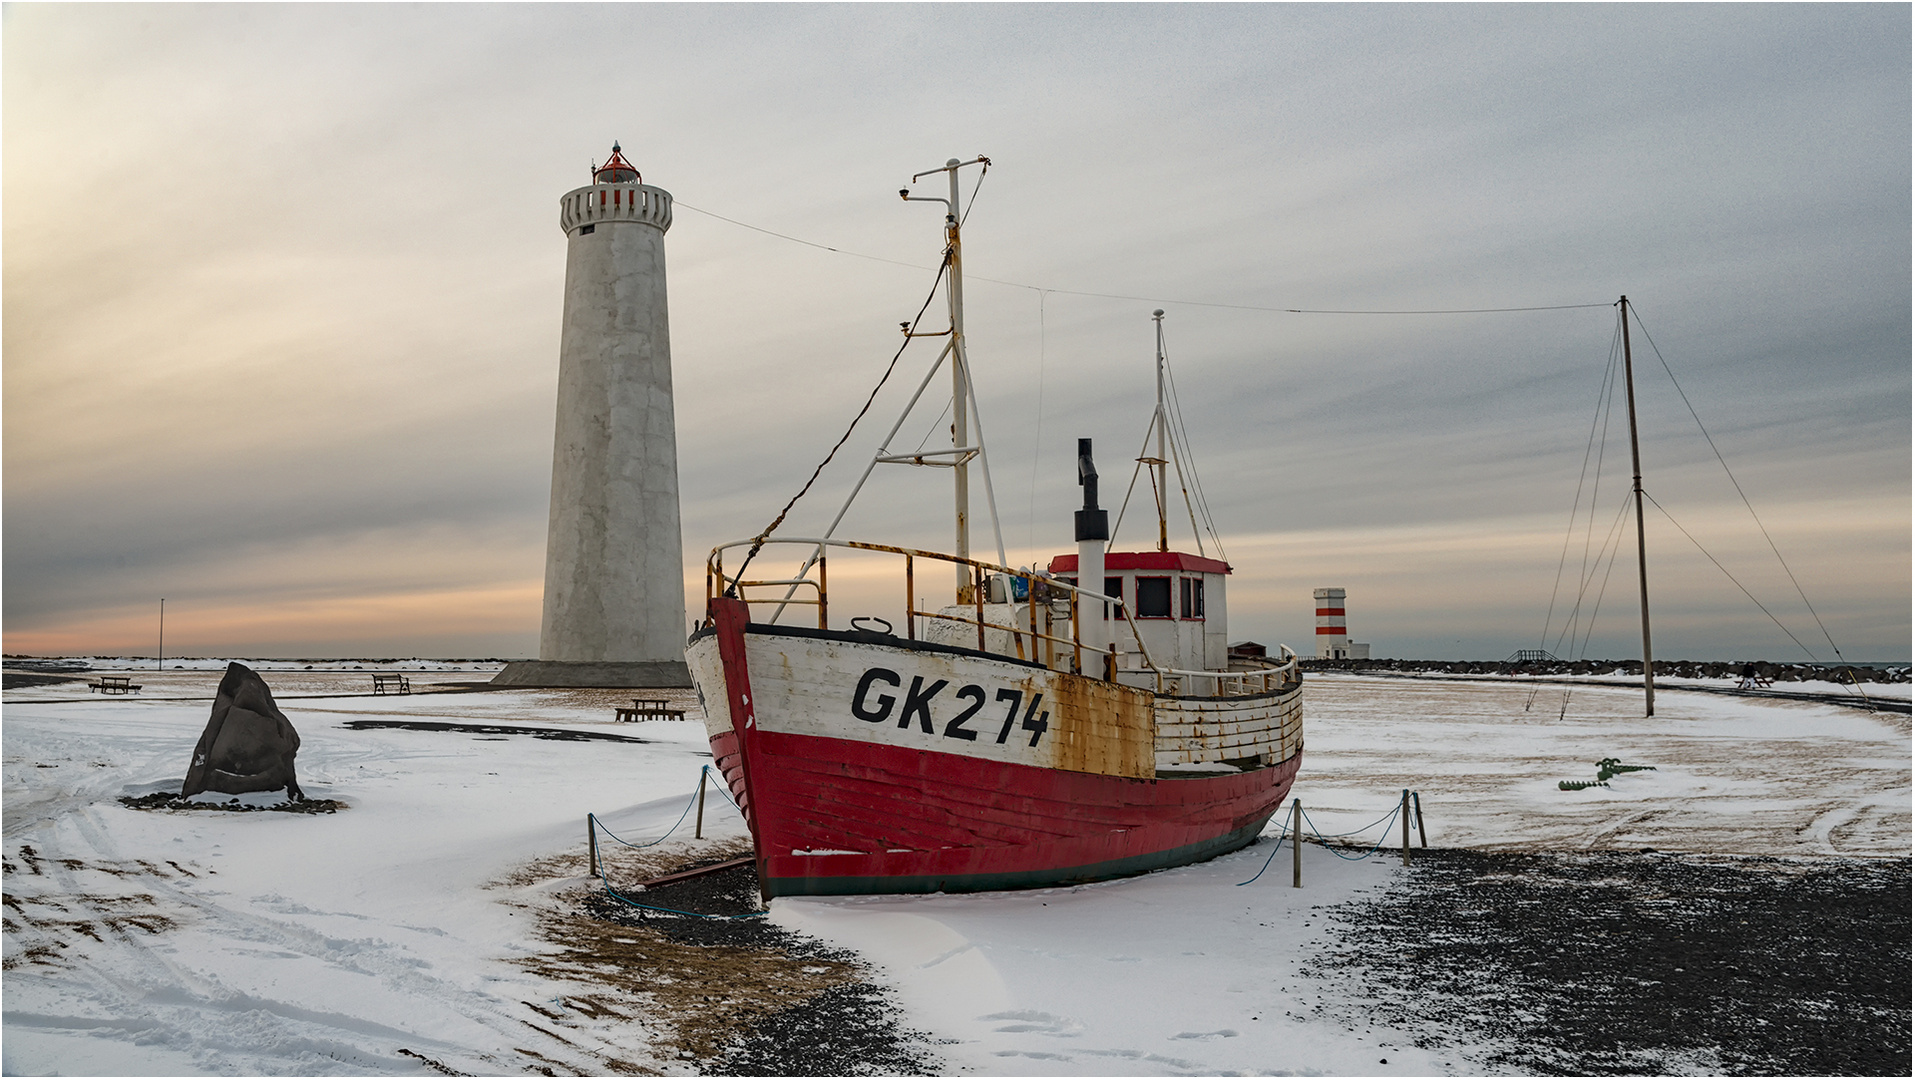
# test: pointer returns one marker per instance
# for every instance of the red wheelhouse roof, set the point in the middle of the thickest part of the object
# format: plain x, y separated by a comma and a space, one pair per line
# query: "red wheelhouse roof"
1145, 560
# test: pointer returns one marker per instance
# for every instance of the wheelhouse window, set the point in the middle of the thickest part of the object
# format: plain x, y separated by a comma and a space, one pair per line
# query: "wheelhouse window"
1190, 597
1153, 598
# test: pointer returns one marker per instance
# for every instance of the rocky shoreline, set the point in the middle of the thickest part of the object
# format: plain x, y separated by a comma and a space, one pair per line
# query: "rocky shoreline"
1729, 670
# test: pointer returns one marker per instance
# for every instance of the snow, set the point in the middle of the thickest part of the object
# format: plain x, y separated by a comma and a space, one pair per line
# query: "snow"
275, 943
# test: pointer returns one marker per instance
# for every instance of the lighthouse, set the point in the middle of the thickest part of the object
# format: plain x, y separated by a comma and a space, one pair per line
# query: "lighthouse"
614, 613
1333, 630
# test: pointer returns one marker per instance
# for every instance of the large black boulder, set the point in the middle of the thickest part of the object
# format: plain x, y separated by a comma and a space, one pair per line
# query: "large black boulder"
248, 744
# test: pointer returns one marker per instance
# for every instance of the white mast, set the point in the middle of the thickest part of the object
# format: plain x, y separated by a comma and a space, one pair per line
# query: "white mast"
964, 418
960, 377
1163, 490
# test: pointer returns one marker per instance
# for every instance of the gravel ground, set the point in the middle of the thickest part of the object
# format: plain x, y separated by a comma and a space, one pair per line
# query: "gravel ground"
850, 1027
1611, 962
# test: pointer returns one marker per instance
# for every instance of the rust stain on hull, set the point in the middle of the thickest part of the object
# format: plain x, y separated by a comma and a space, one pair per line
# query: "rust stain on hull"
1100, 727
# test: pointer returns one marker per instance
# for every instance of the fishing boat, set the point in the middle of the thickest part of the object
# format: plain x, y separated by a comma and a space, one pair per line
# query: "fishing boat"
1049, 726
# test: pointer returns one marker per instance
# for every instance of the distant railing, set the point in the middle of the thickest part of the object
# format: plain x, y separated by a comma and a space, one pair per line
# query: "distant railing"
1040, 591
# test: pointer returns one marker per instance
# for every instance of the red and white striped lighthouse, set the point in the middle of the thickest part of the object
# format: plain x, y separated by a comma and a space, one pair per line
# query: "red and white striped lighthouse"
1333, 633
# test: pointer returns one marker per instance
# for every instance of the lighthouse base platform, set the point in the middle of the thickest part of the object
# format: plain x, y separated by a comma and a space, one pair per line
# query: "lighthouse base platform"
595, 674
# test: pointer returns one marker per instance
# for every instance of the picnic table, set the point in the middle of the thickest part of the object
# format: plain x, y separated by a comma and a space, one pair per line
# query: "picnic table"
113, 684
391, 684
649, 709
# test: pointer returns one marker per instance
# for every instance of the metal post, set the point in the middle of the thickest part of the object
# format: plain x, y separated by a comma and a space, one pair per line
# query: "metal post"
698, 826
823, 621
1642, 557
162, 662
591, 841
910, 603
1416, 800
1296, 843
1403, 811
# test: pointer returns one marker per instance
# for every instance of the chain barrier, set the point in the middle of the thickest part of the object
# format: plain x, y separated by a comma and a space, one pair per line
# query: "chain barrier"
1388, 821
596, 826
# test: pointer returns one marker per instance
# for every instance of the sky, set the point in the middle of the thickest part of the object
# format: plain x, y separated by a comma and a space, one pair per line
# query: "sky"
282, 289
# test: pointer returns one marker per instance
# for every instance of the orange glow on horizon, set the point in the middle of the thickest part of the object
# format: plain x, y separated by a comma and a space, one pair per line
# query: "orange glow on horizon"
498, 610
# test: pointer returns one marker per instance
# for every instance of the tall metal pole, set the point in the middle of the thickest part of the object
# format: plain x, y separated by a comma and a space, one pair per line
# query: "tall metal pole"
960, 376
1642, 557
162, 661
1163, 492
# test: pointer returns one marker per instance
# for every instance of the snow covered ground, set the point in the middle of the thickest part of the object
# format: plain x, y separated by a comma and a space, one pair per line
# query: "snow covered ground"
140, 942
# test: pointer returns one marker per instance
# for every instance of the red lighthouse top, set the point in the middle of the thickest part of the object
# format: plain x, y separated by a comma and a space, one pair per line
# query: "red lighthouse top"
616, 170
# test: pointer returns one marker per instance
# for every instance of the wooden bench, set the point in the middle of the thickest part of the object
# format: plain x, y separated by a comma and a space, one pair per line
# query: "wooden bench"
113, 684
649, 709
391, 684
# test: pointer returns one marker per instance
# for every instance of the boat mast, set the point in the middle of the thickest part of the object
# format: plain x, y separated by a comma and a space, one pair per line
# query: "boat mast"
1157, 466
960, 421
1642, 558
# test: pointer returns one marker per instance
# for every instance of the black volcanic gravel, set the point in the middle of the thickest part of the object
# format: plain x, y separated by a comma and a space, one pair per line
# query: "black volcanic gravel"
853, 1029
1611, 962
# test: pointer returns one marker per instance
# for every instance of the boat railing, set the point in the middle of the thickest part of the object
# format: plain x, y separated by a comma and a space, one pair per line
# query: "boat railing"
1269, 675
1039, 625
1038, 588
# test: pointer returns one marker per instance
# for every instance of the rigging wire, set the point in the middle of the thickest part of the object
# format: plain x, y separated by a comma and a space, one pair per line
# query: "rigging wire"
1196, 481
932, 430
679, 203
1731, 577
966, 216
1572, 621
1596, 609
1744, 496
1575, 508
758, 542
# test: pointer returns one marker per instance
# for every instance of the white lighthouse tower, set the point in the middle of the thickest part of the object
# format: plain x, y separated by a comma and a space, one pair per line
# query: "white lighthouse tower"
614, 563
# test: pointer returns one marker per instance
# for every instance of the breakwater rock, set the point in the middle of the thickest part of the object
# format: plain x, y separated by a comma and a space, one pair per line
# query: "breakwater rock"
1727, 670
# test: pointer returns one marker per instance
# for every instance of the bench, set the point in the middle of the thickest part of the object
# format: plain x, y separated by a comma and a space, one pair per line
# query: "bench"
113, 684
390, 684
1750, 682
649, 709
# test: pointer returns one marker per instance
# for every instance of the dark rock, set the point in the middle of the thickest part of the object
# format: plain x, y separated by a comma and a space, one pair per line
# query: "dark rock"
248, 744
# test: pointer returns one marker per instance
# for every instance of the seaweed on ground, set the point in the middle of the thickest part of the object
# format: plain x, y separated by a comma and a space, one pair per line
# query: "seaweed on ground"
168, 800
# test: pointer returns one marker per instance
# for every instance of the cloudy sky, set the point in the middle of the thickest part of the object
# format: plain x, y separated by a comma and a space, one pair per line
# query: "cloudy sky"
283, 285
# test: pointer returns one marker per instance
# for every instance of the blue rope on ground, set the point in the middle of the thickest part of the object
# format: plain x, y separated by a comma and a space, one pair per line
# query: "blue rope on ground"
616, 895
1281, 830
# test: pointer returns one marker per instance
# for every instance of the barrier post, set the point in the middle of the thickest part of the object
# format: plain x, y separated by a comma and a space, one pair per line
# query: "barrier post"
1416, 800
698, 828
591, 841
1403, 811
1296, 843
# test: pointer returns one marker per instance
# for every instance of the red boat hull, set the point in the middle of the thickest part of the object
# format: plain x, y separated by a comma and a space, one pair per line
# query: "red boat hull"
833, 816
885, 819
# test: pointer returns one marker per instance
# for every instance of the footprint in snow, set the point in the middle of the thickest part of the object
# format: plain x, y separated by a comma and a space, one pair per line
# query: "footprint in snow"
1042, 1023
1221, 1033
